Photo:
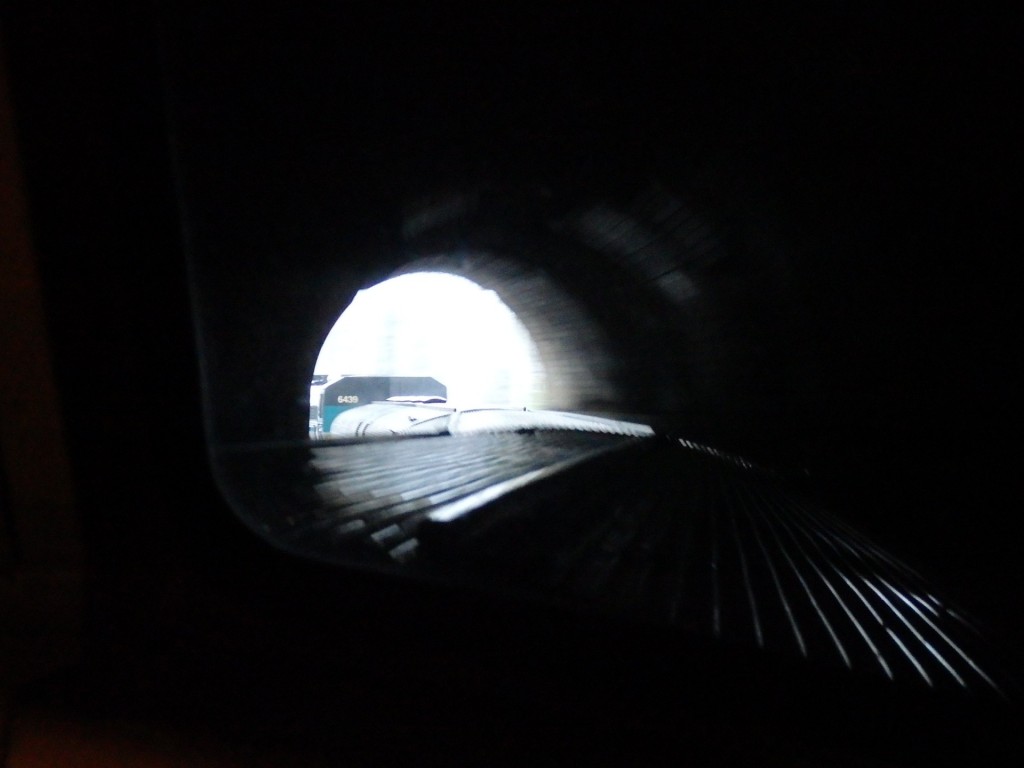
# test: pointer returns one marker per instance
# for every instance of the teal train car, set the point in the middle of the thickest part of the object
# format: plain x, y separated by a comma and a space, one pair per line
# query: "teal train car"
347, 392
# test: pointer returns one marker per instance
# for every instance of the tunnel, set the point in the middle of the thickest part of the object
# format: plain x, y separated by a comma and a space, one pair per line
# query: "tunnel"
744, 251
769, 241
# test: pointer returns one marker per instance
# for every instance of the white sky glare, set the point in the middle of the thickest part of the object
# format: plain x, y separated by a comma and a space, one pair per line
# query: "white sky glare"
440, 325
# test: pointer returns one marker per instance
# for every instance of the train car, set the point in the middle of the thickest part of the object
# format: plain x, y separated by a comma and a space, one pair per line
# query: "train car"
395, 416
348, 392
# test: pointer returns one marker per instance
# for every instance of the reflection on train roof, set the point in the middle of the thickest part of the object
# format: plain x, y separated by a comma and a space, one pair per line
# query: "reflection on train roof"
436, 418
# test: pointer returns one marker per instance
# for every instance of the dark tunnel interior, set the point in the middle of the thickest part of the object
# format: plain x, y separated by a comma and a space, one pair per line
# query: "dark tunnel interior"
783, 246
780, 237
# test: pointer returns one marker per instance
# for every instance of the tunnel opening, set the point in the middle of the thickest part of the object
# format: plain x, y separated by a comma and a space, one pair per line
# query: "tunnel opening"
419, 326
463, 343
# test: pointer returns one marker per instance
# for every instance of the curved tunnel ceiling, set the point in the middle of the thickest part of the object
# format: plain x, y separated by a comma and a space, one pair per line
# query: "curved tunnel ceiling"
745, 216
660, 280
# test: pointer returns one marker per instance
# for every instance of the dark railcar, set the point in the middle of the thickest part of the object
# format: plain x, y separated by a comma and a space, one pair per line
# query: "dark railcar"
351, 391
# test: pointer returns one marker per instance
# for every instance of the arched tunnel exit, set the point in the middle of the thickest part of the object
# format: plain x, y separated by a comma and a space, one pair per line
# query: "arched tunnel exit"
438, 339
435, 318
437, 324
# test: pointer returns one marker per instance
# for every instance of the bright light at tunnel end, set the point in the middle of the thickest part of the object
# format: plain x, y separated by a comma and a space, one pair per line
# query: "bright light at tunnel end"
440, 325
